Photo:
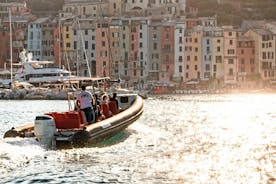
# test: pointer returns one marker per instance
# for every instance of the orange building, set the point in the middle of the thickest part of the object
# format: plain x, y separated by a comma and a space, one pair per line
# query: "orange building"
167, 54
102, 50
246, 59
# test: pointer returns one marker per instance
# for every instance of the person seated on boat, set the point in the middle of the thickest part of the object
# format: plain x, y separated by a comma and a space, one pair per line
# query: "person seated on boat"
114, 105
104, 104
95, 106
113, 98
85, 101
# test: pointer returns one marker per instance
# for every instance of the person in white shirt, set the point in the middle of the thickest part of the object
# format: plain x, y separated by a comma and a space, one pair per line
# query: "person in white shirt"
85, 101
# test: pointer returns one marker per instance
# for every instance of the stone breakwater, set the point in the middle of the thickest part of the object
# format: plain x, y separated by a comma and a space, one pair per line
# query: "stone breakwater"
35, 94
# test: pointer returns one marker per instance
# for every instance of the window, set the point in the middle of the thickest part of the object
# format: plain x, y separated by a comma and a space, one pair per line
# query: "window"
231, 42
231, 72
154, 46
180, 59
218, 59
75, 45
264, 55
140, 44
218, 49
231, 51
230, 61
86, 32
242, 61
86, 44
207, 67
180, 69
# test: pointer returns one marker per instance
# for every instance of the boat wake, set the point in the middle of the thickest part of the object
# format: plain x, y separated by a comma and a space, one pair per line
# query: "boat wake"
15, 152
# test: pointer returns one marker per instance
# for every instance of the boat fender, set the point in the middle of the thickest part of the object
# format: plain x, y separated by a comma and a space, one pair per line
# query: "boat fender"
13, 133
80, 138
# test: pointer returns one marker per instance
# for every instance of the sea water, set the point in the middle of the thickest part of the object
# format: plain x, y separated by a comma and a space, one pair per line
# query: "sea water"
178, 139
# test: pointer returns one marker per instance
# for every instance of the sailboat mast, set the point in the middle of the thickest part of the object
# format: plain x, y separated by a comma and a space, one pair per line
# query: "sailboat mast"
10, 44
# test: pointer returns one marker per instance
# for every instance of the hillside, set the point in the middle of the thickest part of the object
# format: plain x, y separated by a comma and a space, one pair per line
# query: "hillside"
232, 12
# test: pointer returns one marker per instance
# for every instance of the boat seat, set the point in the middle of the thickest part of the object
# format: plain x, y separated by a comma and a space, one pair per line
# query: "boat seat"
113, 107
67, 120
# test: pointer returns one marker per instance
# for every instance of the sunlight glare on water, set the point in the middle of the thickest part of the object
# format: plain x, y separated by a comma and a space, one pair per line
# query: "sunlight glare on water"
179, 139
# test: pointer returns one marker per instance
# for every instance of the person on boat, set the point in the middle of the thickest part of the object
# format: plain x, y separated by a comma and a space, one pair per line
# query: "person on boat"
113, 98
85, 101
114, 104
105, 106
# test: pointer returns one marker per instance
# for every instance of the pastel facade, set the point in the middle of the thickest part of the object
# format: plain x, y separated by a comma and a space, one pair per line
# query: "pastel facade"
246, 59
179, 54
218, 55
115, 53
17, 9
34, 44
84, 47
48, 40
264, 52
125, 49
155, 31
134, 63
96, 8
102, 50
143, 52
230, 55
167, 54
197, 54
207, 53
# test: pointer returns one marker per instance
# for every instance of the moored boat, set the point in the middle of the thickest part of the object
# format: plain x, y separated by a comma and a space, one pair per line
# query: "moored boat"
59, 129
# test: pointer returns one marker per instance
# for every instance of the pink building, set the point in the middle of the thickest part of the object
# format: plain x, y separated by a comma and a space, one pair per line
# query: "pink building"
246, 59
167, 54
133, 53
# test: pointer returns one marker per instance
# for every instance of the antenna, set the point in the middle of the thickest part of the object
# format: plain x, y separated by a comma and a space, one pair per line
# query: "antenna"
83, 46
10, 44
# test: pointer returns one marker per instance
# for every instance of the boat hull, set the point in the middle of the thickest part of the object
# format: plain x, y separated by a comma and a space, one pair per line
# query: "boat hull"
89, 133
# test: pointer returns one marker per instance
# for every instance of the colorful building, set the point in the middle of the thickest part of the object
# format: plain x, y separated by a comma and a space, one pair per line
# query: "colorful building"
246, 59
264, 52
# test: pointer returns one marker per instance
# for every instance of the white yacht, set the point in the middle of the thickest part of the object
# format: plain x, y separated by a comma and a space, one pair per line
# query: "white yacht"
37, 73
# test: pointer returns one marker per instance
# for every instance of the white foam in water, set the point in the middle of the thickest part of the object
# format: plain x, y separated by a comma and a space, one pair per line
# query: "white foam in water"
16, 152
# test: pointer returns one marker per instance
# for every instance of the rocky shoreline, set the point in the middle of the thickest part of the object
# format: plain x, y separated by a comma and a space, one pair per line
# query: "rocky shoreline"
35, 94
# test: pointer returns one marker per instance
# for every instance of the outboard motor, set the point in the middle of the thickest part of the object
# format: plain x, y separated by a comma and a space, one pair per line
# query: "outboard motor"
44, 130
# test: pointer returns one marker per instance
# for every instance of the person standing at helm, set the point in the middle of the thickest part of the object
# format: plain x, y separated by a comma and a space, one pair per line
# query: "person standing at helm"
85, 101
